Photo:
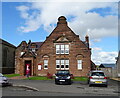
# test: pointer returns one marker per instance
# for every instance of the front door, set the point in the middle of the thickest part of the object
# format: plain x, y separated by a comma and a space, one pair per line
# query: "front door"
27, 68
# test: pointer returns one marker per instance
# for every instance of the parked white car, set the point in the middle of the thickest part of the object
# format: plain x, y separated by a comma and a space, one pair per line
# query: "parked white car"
97, 77
3, 80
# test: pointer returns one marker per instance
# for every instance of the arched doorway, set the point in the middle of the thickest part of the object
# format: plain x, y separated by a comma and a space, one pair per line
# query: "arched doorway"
27, 67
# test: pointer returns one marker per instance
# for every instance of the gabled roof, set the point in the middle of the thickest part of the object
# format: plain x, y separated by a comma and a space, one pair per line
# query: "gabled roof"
6, 43
107, 66
29, 54
38, 44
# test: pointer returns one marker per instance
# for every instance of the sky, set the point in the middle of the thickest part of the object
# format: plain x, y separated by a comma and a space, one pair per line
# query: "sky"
28, 20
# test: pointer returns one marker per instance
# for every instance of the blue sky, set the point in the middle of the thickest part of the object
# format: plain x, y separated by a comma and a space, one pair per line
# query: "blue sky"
33, 21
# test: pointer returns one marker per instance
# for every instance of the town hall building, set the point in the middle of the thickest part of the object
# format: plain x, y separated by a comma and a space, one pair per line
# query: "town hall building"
62, 50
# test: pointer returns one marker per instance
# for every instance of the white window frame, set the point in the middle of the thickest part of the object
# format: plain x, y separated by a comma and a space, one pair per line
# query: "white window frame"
62, 49
66, 63
66, 49
45, 64
58, 49
61, 63
57, 63
79, 64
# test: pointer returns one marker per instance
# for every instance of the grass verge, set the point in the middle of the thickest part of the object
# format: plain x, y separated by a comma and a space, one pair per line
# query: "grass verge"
80, 79
11, 75
38, 78
45, 78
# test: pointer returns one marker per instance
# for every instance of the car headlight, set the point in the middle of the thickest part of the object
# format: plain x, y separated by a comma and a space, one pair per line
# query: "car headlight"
56, 77
68, 77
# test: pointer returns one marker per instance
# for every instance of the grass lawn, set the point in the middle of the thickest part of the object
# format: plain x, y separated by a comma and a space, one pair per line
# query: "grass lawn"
38, 78
80, 79
11, 75
45, 78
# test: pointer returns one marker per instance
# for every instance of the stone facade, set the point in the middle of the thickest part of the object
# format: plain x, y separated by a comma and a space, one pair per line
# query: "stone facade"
62, 50
7, 54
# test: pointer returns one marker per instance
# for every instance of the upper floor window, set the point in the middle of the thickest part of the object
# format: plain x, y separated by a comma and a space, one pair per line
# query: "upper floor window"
62, 49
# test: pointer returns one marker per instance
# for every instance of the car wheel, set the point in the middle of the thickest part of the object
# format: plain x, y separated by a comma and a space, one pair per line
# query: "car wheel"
56, 83
90, 85
106, 85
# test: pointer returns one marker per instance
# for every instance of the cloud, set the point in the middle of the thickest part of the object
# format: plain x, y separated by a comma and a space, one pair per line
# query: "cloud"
96, 48
45, 14
99, 56
23, 9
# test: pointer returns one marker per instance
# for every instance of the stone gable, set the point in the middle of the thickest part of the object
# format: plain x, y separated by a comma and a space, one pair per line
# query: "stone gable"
62, 50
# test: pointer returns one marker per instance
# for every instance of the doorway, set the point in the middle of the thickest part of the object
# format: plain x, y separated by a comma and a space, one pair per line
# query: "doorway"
28, 67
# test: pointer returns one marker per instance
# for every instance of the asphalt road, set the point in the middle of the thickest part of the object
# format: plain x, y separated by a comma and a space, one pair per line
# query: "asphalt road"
49, 88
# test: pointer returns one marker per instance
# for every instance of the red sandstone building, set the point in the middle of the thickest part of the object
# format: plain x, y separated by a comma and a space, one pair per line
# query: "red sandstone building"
62, 50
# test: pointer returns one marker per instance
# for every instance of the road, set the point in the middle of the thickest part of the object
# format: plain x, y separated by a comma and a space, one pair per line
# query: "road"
48, 88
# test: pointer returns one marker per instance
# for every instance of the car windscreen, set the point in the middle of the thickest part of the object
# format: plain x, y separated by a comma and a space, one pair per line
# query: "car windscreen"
63, 73
97, 74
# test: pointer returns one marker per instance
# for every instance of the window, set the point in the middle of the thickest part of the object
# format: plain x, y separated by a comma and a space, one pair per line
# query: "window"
57, 64
62, 49
57, 49
45, 64
66, 49
67, 64
79, 62
62, 64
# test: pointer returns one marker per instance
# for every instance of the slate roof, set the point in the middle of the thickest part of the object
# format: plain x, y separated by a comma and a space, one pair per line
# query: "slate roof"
6, 43
107, 66
38, 44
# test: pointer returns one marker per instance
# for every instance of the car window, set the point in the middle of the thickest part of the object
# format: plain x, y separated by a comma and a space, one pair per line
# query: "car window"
97, 74
63, 72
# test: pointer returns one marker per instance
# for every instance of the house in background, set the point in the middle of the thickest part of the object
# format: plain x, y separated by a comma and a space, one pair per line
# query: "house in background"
109, 69
118, 65
62, 50
7, 55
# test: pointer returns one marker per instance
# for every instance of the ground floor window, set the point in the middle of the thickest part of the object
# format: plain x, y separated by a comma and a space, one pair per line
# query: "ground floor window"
79, 63
45, 64
62, 64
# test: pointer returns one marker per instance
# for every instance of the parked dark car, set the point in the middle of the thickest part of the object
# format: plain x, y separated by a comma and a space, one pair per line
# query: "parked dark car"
3, 80
63, 77
97, 77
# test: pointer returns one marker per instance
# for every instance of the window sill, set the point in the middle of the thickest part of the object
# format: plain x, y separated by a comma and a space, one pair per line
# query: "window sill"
45, 68
80, 69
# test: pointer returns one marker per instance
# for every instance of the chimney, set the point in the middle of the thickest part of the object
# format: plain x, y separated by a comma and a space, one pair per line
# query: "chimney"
87, 40
62, 20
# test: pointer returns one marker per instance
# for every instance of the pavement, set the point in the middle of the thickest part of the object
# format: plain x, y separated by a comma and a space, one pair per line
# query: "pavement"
117, 79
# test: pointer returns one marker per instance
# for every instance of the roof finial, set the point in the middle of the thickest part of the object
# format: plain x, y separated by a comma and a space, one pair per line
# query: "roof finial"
62, 20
